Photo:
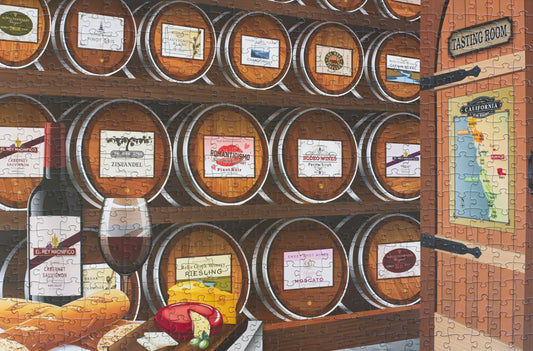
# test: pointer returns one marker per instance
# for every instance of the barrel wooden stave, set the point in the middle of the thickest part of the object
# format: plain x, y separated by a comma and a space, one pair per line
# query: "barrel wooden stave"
20, 111
203, 125
265, 245
408, 10
401, 44
286, 129
338, 5
341, 78
258, 74
152, 59
15, 53
64, 36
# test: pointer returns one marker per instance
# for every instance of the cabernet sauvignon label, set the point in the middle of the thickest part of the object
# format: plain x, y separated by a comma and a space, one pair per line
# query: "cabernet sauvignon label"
332, 60
100, 32
319, 158
21, 152
403, 69
398, 260
213, 271
126, 154
402, 160
307, 269
182, 42
19, 23
229, 157
54, 253
262, 52
98, 277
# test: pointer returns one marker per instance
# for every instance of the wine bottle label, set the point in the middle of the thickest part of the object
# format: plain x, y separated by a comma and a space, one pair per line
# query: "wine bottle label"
54, 255
213, 271
307, 269
403, 69
402, 160
21, 152
19, 23
98, 277
411, 2
319, 158
398, 260
100, 32
332, 60
182, 42
229, 157
260, 52
126, 154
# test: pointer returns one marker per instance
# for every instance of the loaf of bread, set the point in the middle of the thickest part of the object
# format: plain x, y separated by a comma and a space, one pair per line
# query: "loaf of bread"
63, 325
14, 311
103, 338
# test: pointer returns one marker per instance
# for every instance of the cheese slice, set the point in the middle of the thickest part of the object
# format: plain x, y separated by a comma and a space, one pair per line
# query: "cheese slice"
201, 327
194, 291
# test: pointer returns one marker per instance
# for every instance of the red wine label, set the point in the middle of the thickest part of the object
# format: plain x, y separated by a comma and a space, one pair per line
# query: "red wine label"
403, 69
54, 255
398, 260
229, 157
402, 160
19, 23
307, 269
98, 277
100, 32
126, 154
319, 158
262, 52
21, 152
333, 60
213, 271
182, 42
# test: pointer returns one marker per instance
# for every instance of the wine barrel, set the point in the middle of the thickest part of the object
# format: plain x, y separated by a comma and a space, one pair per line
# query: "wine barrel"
94, 37
390, 163
327, 60
220, 156
22, 124
24, 32
392, 66
314, 156
197, 262
96, 273
299, 269
253, 51
408, 10
338, 5
384, 260
117, 149
176, 42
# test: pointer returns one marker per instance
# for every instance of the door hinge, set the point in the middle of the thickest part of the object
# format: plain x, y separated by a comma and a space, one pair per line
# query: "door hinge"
432, 242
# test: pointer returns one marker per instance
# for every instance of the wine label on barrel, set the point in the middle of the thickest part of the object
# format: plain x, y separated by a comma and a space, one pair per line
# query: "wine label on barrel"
100, 32
307, 269
213, 271
332, 60
319, 158
229, 157
182, 42
98, 277
19, 23
262, 52
55, 255
126, 154
398, 260
21, 152
403, 69
402, 160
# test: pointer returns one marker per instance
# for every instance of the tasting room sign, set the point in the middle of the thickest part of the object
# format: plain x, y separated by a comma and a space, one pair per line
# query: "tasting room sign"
479, 37
307, 269
480, 150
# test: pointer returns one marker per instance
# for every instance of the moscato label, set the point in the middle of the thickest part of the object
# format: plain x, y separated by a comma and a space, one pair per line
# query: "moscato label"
307, 269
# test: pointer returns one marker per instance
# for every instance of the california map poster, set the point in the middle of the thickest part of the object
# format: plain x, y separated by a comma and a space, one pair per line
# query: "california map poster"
479, 148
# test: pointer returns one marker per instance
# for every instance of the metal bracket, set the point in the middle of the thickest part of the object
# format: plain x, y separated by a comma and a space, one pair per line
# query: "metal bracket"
447, 78
433, 242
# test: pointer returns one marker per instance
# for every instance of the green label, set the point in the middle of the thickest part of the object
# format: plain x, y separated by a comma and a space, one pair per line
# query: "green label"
15, 23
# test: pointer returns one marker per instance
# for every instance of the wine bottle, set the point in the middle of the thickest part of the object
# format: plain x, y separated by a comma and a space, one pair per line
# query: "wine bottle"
54, 227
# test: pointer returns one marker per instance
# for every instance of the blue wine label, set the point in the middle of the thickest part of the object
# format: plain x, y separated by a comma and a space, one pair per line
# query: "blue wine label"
55, 255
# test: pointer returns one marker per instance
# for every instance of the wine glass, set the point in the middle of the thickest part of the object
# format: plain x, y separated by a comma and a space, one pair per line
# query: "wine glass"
125, 236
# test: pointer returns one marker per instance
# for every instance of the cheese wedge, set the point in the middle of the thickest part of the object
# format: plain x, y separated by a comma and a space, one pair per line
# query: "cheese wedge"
201, 327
